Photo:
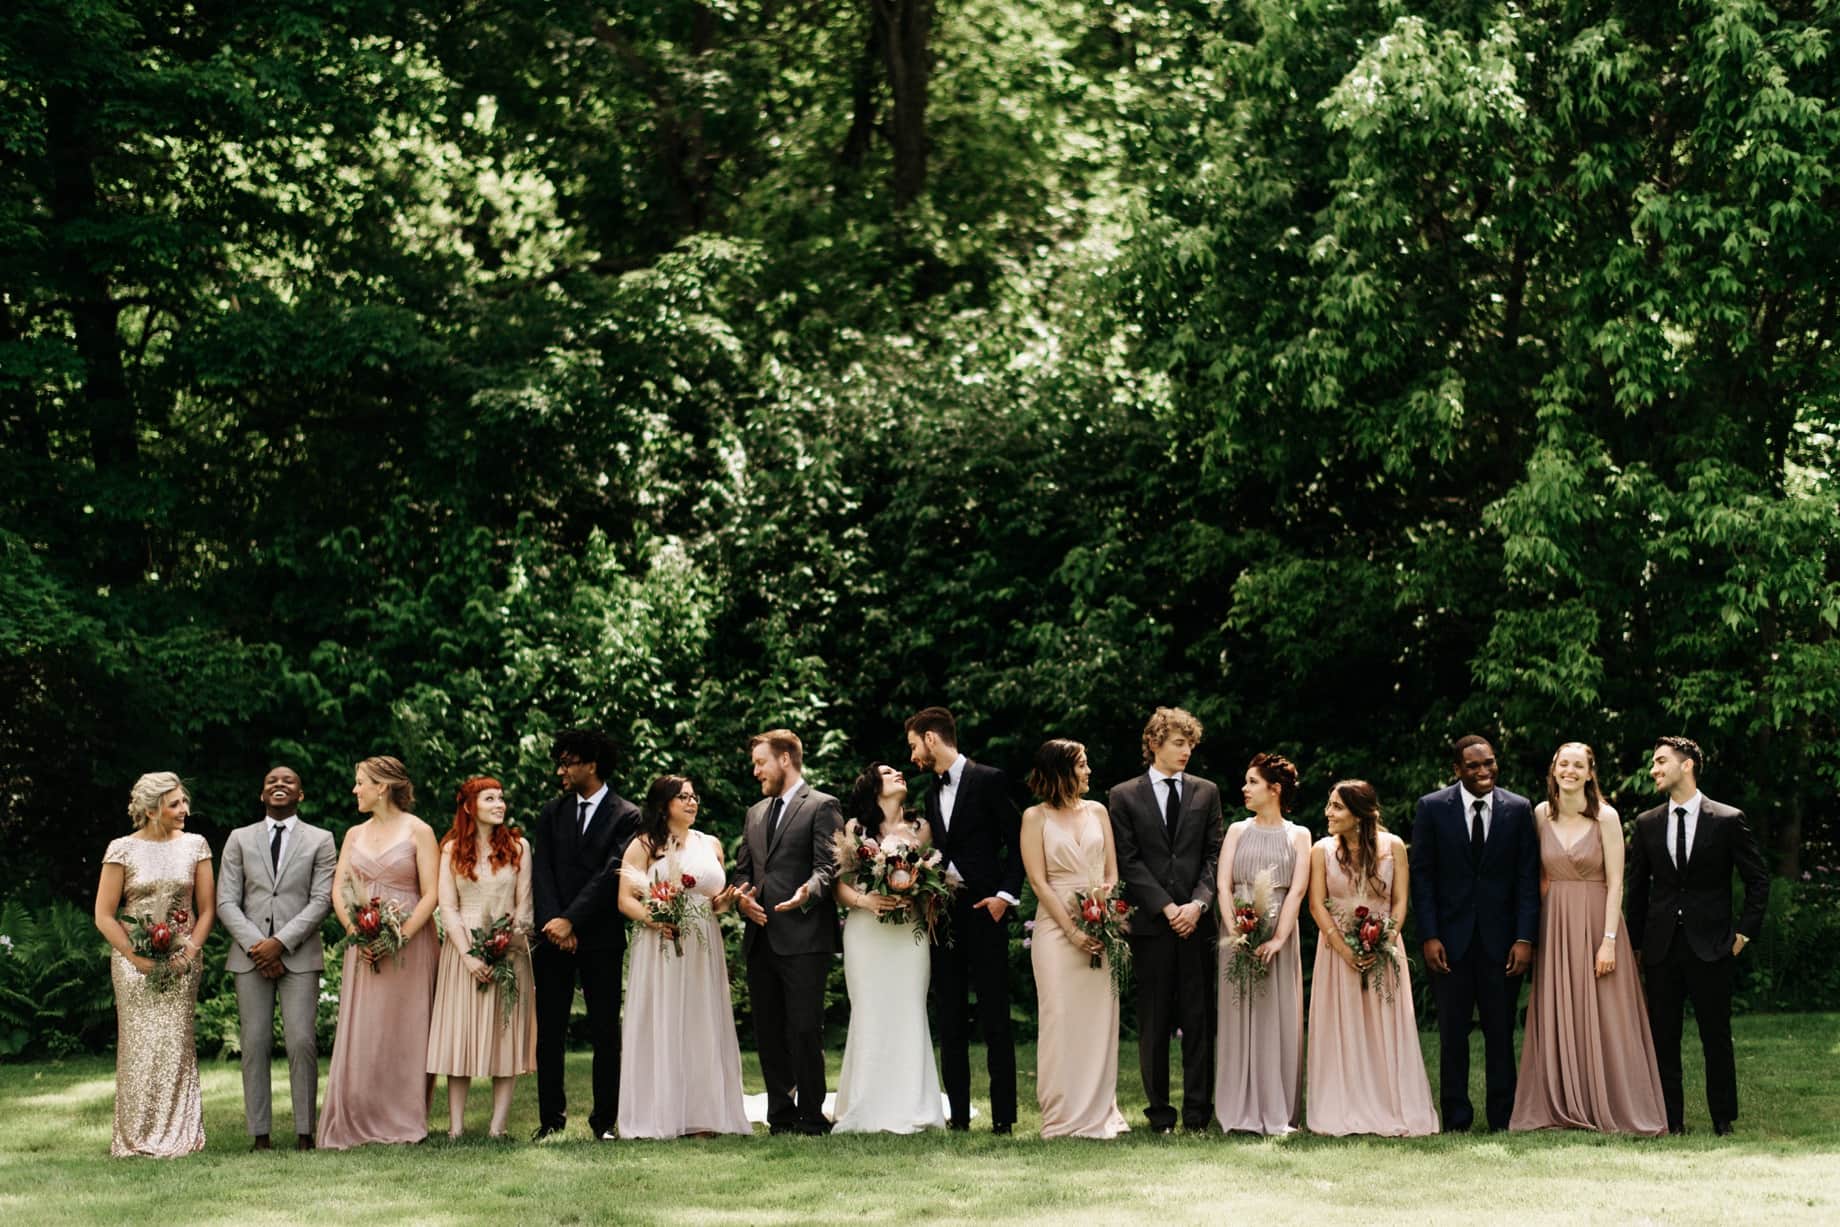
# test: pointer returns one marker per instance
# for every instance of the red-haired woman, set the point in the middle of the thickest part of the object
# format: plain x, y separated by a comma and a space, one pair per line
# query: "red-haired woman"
476, 1032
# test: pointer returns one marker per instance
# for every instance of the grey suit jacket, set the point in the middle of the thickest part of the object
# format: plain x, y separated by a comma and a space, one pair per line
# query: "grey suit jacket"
803, 849
255, 903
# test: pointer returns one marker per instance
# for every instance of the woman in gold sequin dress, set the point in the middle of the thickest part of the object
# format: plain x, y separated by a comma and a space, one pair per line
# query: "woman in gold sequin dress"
162, 874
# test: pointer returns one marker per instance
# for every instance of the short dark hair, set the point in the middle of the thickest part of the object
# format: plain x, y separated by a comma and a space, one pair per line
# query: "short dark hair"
934, 720
1687, 748
1055, 777
585, 746
781, 741
1465, 742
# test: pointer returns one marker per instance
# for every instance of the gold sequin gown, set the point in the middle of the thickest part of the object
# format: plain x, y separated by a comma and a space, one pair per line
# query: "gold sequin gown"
158, 1109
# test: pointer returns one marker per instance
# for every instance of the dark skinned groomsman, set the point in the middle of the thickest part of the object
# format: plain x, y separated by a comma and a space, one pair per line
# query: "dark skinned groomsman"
1166, 825
579, 838
1476, 890
274, 888
978, 829
1681, 863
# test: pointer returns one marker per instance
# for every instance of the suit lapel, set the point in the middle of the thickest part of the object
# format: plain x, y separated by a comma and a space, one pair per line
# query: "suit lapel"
1497, 822
785, 819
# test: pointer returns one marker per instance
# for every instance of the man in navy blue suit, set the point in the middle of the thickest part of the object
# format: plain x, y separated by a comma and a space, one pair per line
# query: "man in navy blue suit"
1476, 890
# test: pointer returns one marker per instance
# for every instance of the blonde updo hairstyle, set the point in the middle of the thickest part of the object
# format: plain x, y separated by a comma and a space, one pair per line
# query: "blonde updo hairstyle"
388, 770
151, 789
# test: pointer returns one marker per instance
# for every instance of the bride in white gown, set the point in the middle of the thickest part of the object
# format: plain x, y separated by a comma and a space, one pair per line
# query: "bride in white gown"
889, 1083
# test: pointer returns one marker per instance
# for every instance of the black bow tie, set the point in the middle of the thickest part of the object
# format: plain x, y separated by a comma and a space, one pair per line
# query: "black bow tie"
943, 779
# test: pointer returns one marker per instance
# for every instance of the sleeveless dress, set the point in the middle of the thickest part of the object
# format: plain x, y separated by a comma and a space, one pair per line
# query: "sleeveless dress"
471, 1035
680, 1060
1076, 1053
889, 1082
1366, 1070
1588, 1060
158, 1108
377, 1083
1258, 1045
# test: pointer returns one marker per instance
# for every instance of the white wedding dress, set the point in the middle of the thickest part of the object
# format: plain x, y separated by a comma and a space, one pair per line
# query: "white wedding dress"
889, 1082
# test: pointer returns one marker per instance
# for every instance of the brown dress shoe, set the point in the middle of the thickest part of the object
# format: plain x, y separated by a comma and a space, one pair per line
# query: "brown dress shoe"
303, 1141
261, 1142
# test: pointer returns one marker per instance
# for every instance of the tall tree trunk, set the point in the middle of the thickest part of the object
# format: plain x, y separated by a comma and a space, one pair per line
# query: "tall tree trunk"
862, 100
906, 27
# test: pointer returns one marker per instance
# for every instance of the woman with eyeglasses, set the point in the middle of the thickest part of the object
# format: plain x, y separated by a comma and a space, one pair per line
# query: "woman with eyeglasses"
680, 1065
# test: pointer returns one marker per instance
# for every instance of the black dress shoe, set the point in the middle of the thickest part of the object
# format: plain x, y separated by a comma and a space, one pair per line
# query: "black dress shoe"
1677, 1130
303, 1141
544, 1131
1722, 1128
261, 1142
1001, 1131
959, 1126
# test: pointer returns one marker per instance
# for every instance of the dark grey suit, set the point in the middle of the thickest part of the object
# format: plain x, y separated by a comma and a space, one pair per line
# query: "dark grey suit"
256, 901
789, 958
1175, 976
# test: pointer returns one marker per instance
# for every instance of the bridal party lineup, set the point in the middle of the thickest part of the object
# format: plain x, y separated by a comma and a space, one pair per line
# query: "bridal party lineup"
464, 942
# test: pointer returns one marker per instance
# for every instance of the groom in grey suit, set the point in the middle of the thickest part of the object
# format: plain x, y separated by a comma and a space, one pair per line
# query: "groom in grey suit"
273, 890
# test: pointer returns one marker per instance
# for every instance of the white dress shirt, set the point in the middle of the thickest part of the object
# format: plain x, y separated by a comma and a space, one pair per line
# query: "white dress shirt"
594, 802
1159, 785
1469, 809
1691, 805
287, 837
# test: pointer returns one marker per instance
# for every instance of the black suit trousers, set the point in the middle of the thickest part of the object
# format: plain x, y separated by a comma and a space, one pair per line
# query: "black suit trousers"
1176, 989
556, 973
787, 996
1476, 986
1678, 977
977, 961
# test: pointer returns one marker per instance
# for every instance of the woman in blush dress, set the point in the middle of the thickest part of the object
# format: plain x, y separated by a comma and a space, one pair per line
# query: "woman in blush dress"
1066, 848
889, 1082
485, 876
1366, 1070
1258, 1047
1588, 1059
680, 1064
161, 876
378, 1088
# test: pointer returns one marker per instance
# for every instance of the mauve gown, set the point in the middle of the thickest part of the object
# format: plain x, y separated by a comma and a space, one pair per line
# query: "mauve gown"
680, 1062
377, 1085
471, 1034
1588, 1060
1366, 1070
1076, 1051
158, 1109
1258, 1046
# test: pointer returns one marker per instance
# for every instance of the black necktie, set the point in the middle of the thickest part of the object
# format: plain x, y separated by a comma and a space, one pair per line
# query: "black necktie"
582, 818
773, 812
274, 847
1475, 831
1172, 805
1680, 838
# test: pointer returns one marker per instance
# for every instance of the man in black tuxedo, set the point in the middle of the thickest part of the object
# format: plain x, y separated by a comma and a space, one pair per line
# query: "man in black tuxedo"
978, 829
1166, 826
783, 874
577, 844
1476, 890
1679, 919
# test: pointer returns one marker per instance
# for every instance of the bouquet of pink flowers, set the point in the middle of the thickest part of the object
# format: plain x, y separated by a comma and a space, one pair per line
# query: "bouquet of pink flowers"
669, 901
1104, 913
492, 945
377, 924
1370, 935
909, 870
163, 941
1249, 926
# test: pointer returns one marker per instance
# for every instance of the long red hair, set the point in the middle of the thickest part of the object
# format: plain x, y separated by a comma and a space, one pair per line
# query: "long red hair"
507, 849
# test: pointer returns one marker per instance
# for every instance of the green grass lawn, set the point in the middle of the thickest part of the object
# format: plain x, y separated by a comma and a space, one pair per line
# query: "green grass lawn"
1783, 1165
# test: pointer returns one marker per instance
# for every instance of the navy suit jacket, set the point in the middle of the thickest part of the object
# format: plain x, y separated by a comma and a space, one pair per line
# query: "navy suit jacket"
1495, 905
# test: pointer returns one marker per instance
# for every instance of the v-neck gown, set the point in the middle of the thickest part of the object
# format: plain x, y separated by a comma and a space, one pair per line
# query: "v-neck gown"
377, 1085
1588, 1060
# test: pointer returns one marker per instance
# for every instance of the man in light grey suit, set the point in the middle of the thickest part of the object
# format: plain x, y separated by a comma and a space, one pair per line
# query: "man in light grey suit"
274, 888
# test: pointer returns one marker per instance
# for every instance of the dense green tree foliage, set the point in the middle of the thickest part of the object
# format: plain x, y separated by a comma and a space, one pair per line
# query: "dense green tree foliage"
423, 378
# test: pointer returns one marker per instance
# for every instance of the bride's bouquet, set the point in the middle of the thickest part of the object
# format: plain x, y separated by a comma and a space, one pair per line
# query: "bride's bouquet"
1251, 925
908, 870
